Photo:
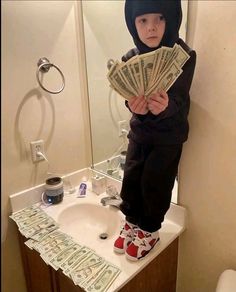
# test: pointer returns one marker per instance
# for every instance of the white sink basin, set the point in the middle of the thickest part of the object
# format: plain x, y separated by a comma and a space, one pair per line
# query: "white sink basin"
227, 281
90, 223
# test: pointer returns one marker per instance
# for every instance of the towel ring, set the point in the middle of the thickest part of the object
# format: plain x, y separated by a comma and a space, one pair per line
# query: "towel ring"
43, 66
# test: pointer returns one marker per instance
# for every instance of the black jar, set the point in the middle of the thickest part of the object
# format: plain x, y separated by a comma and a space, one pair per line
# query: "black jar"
54, 190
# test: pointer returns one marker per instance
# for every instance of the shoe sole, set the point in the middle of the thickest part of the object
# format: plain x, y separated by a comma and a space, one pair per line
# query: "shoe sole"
118, 250
134, 259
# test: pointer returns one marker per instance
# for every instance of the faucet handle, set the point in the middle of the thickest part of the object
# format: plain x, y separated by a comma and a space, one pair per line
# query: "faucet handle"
112, 191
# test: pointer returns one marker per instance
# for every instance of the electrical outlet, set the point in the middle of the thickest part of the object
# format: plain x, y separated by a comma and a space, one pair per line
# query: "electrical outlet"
123, 127
37, 146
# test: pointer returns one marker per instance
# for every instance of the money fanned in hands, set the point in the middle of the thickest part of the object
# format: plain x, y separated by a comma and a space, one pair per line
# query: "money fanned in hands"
147, 73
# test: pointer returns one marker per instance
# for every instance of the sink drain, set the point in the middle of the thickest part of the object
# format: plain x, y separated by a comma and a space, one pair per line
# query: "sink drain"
103, 236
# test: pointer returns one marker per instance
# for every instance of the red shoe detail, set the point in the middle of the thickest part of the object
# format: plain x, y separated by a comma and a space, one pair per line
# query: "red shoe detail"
142, 244
125, 238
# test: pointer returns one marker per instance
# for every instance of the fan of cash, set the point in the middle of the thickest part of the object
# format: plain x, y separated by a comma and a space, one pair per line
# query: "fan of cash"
147, 73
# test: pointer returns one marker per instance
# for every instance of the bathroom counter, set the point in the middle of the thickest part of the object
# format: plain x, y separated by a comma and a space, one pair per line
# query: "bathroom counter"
172, 227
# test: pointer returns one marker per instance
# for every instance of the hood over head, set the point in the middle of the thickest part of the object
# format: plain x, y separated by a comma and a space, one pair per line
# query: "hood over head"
170, 9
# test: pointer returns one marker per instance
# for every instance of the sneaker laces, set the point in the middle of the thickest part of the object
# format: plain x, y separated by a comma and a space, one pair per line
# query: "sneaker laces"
141, 240
125, 232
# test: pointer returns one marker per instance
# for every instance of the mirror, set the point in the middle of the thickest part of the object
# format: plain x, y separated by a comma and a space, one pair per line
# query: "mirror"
107, 37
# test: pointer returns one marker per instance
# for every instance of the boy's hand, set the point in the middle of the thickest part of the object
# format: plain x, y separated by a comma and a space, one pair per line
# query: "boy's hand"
138, 105
158, 102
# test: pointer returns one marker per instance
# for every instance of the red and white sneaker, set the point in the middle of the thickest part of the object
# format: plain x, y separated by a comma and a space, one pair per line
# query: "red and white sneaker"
141, 245
125, 238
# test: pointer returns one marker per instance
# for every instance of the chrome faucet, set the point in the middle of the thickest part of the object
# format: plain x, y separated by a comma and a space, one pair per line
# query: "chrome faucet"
111, 201
113, 198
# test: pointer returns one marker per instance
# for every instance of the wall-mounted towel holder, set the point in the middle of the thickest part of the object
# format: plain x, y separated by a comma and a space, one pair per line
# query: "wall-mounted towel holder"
43, 66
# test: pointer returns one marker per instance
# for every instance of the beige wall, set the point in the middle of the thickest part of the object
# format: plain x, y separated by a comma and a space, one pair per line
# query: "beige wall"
207, 185
30, 30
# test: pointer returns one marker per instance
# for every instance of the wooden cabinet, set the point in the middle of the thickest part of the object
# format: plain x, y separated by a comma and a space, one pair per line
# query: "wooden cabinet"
157, 276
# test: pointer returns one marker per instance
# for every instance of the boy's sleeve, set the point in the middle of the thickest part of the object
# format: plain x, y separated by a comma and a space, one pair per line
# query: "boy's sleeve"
131, 53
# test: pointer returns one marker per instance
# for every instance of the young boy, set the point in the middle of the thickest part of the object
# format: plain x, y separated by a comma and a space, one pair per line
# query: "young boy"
158, 128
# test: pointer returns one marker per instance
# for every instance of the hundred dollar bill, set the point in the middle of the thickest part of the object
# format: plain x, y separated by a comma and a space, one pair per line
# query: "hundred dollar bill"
122, 94
179, 55
164, 52
110, 75
75, 259
170, 76
113, 69
46, 230
165, 57
167, 79
25, 214
26, 224
44, 226
130, 63
132, 72
58, 260
103, 281
89, 261
129, 79
156, 64
167, 65
50, 241
138, 75
171, 57
146, 65
90, 274
119, 83
56, 250
133, 66
54, 242
168, 53
128, 86
30, 243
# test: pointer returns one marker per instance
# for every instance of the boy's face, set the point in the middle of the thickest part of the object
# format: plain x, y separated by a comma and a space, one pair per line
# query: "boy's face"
150, 28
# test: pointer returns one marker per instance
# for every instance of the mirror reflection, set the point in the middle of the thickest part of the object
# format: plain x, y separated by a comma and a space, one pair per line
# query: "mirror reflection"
107, 40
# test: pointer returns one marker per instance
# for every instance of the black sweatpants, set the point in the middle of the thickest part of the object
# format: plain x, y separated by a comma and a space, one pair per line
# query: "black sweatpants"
149, 177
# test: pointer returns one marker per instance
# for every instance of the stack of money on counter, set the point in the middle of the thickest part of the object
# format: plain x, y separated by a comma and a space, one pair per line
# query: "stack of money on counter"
61, 251
33, 222
147, 73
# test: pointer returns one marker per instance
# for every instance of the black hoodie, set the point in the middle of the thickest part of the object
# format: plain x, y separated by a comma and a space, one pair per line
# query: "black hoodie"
171, 125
